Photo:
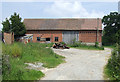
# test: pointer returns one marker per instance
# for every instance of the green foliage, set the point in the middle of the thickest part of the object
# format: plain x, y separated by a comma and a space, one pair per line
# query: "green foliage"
111, 46
16, 50
15, 25
112, 25
48, 44
63, 43
118, 37
118, 40
112, 35
6, 26
112, 69
13, 50
79, 45
96, 44
76, 44
16, 70
29, 53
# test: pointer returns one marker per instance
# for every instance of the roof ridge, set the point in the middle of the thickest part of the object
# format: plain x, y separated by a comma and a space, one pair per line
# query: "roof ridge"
57, 18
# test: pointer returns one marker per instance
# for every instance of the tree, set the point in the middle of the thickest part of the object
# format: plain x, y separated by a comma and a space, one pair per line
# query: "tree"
118, 37
118, 41
6, 26
112, 25
15, 25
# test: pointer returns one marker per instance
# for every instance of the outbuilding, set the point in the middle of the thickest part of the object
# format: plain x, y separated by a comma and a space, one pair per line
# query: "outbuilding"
86, 30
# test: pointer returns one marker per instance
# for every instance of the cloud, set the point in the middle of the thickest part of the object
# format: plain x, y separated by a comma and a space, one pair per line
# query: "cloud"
71, 9
59, 0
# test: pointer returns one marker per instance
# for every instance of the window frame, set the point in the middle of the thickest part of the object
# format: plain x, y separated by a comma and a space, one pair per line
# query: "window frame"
37, 38
57, 39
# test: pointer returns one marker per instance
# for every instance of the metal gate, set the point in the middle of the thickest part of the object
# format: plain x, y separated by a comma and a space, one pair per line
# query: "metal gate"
69, 36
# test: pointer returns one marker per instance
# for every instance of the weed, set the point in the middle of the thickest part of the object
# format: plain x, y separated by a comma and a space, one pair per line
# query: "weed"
19, 54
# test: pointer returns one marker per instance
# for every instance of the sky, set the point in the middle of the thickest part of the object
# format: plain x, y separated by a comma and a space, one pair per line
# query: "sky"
57, 9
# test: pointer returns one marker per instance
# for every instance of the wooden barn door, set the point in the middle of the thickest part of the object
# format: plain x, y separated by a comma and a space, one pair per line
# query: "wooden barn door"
69, 36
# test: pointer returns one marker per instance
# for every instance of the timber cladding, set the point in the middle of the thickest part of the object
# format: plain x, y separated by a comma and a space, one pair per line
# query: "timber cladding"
70, 36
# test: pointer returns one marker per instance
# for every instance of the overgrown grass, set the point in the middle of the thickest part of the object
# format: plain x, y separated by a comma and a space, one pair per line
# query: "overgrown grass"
111, 46
20, 53
79, 45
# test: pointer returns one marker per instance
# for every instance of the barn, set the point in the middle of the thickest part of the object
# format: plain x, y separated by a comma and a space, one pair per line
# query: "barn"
86, 30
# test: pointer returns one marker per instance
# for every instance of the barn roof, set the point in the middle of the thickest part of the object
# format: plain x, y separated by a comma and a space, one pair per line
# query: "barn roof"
63, 24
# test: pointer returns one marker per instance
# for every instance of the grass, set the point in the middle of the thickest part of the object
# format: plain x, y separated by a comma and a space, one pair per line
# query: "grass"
32, 52
107, 75
89, 48
84, 46
112, 69
111, 46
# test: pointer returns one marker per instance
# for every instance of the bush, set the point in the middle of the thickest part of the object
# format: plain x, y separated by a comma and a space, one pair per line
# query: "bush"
113, 66
96, 44
63, 43
76, 44
101, 48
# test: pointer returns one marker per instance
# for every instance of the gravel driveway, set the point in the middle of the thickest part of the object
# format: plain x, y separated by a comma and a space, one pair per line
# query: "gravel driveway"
80, 65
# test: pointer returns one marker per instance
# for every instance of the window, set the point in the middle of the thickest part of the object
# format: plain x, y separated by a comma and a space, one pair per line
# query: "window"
47, 39
38, 38
42, 39
56, 38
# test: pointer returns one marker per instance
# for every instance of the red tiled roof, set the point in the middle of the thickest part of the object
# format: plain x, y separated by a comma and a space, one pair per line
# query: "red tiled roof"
63, 24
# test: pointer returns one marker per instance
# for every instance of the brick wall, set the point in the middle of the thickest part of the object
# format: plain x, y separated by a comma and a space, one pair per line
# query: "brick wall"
90, 36
9, 38
46, 34
84, 36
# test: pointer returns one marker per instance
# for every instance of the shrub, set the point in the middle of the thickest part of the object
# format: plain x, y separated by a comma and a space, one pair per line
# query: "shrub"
96, 44
76, 44
63, 43
101, 48
113, 66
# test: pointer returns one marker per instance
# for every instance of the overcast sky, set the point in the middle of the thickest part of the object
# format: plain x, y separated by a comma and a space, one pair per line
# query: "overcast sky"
57, 9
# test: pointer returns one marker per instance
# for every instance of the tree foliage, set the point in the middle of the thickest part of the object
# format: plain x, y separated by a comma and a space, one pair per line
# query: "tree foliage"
111, 24
6, 26
15, 25
118, 37
112, 36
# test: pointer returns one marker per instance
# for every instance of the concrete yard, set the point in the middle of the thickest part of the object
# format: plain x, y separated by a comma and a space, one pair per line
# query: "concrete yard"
80, 65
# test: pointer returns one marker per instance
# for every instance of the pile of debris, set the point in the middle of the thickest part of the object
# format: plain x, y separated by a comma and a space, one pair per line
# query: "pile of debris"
60, 46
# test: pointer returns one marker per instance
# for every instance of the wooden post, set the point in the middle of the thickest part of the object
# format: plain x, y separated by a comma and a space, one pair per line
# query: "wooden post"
98, 30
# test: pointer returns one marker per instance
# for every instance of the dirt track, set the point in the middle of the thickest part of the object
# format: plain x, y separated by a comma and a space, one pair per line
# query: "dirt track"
80, 65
